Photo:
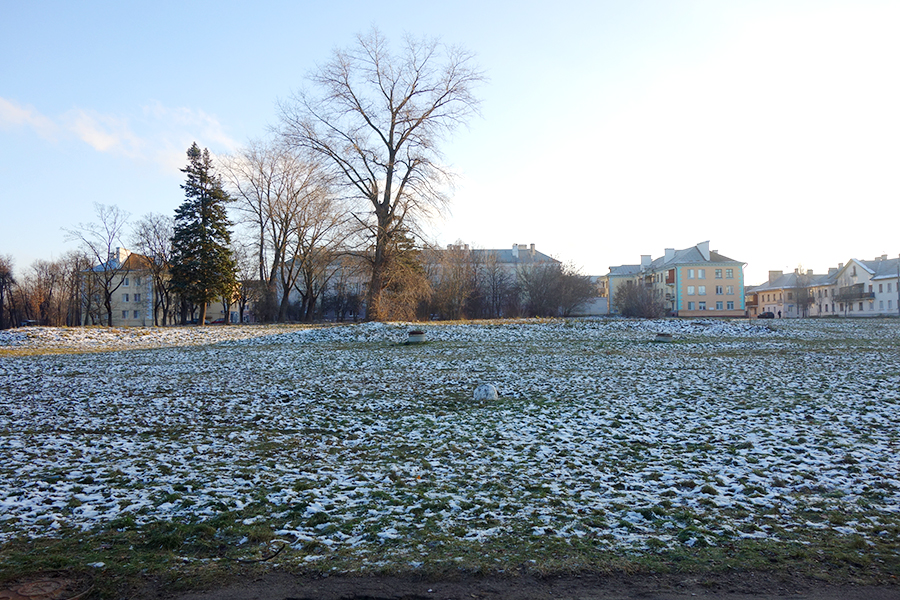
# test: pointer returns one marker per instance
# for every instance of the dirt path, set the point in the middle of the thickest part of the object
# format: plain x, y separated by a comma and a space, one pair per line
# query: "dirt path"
731, 586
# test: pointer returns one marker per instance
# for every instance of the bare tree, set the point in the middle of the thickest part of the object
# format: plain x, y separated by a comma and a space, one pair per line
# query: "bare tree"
636, 300
377, 120
454, 279
802, 291
6, 283
498, 288
152, 237
102, 241
250, 290
344, 290
539, 286
575, 290
288, 203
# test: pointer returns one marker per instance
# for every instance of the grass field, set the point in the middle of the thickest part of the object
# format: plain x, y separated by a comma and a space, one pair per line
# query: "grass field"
735, 446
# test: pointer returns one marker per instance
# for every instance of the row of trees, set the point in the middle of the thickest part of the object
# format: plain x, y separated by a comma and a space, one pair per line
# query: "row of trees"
348, 178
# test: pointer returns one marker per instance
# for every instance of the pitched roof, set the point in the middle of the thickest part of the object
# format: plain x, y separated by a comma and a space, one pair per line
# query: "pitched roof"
692, 255
794, 280
134, 262
525, 256
881, 268
624, 270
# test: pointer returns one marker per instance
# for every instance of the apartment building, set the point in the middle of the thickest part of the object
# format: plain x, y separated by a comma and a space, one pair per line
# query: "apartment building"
860, 288
692, 282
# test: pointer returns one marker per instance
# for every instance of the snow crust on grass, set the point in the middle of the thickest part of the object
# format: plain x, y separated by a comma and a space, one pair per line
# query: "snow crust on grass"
123, 338
342, 439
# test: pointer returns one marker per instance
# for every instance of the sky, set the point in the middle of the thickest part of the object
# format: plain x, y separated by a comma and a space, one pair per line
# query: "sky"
607, 129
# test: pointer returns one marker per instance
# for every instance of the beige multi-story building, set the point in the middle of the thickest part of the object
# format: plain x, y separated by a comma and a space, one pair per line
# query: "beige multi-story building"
861, 288
131, 283
693, 282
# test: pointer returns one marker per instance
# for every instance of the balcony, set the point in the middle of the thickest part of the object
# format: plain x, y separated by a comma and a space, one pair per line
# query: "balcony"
853, 292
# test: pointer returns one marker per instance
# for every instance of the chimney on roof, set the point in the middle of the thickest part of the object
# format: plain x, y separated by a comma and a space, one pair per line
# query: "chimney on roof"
515, 251
884, 257
670, 254
703, 247
119, 256
532, 250
832, 270
809, 272
797, 271
646, 259
840, 266
773, 275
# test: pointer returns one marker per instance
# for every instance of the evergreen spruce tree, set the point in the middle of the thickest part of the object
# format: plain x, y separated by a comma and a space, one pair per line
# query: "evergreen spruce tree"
203, 268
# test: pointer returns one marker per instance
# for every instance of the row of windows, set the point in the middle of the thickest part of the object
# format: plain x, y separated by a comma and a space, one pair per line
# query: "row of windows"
823, 293
127, 281
137, 297
701, 273
719, 305
136, 313
890, 306
720, 290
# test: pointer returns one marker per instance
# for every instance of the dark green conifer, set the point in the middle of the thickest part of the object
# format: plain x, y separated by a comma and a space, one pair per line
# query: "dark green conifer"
203, 268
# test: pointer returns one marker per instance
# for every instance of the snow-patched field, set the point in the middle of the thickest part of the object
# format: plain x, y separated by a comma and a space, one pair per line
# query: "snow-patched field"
342, 439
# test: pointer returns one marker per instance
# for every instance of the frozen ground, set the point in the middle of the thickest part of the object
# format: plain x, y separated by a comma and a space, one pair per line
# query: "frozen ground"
341, 441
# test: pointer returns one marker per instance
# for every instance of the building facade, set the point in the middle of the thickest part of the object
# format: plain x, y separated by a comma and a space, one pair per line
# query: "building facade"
692, 282
860, 288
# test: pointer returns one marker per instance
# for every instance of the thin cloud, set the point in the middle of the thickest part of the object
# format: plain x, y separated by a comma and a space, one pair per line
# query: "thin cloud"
104, 133
154, 133
13, 114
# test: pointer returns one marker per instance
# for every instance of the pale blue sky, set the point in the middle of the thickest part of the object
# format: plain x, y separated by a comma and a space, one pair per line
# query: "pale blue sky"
608, 129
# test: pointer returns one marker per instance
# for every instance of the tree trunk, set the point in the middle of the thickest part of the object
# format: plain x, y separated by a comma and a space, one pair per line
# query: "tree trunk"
283, 306
202, 319
376, 285
108, 305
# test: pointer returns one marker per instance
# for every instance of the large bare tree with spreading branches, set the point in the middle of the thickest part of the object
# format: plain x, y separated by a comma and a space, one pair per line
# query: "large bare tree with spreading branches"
377, 118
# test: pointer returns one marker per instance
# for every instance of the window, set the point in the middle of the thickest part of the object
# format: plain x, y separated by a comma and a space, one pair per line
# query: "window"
854, 271
790, 296
889, 304
690, 306
701, 273
719, 305
690, 290
881, 305
137, 281
719, 290
125, 283
701, 290
124, 314
690, 273
826, 308
850, 306
889, 287
729, 289
702, 306
137, 314
137, 297
826, 293
870, 288
124, 297
729, 273
880, 288
730, 304
860, 306
718, 273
